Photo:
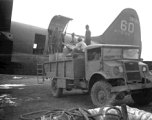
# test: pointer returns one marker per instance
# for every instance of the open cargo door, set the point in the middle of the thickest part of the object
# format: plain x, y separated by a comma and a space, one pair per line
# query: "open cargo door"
59, 21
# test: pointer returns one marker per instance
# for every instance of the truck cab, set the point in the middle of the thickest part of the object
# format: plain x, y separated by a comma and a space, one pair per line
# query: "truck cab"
119, 69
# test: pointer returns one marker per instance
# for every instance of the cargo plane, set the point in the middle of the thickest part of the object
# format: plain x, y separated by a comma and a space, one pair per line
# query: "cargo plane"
30, 42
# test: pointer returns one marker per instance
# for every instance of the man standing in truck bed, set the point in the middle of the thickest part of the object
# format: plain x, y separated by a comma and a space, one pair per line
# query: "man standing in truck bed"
80, 46
87, 35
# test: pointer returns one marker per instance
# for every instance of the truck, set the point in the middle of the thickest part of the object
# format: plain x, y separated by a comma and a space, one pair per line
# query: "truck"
110, 68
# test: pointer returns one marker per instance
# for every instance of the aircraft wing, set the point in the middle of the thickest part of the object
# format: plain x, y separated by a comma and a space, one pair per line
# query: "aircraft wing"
5, 14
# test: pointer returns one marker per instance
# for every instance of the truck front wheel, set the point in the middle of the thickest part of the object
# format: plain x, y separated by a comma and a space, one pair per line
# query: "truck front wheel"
144, 97
100, 93
56, 92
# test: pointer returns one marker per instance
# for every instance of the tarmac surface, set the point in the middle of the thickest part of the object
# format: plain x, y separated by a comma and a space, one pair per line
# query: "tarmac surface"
25, 95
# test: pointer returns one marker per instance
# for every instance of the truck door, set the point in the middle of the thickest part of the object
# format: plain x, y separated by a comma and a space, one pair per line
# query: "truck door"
93, 61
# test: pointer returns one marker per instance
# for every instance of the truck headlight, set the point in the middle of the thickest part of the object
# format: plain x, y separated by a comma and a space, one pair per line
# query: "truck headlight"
121, 68
144, 69
116, 70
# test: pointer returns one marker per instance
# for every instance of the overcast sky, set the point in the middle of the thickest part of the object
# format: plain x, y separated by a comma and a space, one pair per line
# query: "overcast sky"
97, 13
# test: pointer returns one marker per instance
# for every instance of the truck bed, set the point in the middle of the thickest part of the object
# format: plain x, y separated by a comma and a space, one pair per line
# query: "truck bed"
70, 68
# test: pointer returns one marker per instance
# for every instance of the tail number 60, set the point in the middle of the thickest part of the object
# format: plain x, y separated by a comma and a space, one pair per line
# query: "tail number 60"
127, 26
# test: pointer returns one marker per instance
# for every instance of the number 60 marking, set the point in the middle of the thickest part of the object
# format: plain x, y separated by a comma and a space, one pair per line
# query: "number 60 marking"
127, 26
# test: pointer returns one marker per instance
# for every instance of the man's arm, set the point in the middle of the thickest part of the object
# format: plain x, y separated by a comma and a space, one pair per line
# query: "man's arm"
69, 46
90, 33
78, 46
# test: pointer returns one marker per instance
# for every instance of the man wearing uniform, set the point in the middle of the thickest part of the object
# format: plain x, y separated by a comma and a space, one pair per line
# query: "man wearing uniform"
87, 35
80, 46
54, 40
73, 41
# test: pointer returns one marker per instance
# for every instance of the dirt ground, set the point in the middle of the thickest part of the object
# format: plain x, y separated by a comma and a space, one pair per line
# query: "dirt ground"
28, 96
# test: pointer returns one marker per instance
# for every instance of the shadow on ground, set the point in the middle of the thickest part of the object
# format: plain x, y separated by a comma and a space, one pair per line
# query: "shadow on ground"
35, 97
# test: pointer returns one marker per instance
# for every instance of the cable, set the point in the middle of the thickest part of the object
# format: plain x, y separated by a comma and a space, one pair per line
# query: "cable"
24, 116
74, 114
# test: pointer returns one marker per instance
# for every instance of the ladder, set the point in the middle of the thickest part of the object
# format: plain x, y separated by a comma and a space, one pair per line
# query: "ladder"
40, 70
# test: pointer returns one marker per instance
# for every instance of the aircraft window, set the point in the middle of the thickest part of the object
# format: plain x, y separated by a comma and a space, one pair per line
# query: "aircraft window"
94, 54
39, 44
34, 46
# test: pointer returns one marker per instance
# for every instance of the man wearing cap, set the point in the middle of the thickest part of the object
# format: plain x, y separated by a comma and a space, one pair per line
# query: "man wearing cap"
80, 46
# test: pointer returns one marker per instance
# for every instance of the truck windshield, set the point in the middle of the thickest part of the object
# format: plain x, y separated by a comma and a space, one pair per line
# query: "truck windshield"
112, 53
131, 53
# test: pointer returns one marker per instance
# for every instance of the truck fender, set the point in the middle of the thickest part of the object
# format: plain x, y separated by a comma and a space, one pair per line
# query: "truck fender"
105, 76
96, 77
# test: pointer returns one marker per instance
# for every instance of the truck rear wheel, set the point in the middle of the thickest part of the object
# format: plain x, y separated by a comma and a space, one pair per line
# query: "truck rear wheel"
100, 93
143, 98
56, 92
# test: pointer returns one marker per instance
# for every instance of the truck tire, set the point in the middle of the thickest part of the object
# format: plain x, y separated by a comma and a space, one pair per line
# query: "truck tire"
100, 93
143, 98
56, 92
